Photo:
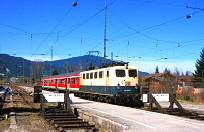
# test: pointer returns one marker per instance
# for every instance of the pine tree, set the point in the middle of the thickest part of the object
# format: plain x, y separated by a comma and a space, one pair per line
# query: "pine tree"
187, 73
167, 71
199, 72
157, 70
54, 72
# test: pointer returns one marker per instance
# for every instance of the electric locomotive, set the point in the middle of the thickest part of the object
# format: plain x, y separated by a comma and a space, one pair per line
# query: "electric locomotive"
115, 83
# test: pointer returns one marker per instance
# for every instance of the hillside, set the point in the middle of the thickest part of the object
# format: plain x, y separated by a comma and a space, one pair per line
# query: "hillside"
19, 66
14, 66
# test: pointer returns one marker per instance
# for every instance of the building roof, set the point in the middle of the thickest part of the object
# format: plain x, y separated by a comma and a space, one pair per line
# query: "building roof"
156, 75
185, 78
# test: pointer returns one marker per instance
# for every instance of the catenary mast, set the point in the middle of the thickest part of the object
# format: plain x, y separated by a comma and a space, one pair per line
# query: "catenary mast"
105, 24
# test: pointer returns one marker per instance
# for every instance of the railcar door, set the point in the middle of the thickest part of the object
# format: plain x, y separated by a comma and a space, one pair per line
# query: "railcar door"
107, 80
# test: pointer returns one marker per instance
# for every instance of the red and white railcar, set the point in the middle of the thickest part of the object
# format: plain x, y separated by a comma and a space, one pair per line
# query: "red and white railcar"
69, 81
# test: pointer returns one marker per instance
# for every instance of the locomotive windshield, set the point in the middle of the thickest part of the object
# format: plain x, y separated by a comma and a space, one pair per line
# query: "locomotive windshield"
120, 73
132, 73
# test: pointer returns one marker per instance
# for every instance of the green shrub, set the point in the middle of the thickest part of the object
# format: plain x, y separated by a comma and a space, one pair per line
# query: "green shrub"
186, 97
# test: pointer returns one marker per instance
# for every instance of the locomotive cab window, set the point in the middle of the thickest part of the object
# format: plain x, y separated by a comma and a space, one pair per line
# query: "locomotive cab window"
95, 75
91, 75
132, 73
84, 76
101, 74
87, 75
120, 73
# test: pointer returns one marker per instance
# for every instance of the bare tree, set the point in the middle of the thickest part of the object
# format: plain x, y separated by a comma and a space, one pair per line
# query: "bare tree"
36, 70
176, 73
80, 66
169, 83
68, 67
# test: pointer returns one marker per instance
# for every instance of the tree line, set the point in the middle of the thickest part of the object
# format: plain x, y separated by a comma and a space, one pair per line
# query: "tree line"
198, 74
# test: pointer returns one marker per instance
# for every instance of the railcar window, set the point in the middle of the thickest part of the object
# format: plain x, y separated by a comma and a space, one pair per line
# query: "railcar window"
120, 73
84, 76
69, 82
101, 74
87, 75
72, 80
60, 81
95, 75
63, 81
132, 73
91, 75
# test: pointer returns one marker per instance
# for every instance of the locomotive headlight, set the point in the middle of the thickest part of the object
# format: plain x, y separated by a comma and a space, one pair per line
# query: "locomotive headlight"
118, 86
136, 86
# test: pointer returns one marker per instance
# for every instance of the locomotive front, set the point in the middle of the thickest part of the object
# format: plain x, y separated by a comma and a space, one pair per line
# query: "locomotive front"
125, 80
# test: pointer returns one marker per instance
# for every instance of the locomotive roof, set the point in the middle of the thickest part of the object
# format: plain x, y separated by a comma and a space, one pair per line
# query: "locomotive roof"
112, 67
63, 75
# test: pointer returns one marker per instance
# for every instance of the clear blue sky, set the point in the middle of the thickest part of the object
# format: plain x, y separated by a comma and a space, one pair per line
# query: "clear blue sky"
147, 33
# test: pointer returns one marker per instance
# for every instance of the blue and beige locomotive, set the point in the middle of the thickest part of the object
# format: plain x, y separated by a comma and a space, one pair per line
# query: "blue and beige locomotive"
115, 83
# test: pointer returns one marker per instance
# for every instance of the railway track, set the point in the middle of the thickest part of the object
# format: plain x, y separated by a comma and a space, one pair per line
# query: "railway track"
61, 116
62, 120
56, 117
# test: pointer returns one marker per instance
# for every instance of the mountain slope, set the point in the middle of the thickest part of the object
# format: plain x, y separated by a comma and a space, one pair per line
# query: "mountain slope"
19, 66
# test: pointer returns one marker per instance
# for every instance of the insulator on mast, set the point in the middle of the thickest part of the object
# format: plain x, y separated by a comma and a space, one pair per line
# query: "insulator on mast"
74, 3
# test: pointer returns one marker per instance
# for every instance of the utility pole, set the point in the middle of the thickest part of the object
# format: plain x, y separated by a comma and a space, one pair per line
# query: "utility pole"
51, 60
105, 25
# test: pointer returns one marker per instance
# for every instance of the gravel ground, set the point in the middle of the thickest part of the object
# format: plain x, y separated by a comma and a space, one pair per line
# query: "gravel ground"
27, 114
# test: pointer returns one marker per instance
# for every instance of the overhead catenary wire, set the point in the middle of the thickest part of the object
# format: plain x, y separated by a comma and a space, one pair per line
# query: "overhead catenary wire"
52, 30
160, 3
139, 32
79, 25
131, 44
158, 25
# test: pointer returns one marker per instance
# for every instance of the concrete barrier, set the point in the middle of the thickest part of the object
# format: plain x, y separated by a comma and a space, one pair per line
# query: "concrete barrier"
103, 122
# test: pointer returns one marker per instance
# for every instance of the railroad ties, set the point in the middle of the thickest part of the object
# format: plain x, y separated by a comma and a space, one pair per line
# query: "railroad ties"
179, 111
63, 120
61, 117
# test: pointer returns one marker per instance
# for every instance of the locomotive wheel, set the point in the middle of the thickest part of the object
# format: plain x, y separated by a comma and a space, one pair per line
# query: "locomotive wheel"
108, 100
111, 101
117, 100
98, 99
91, 97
